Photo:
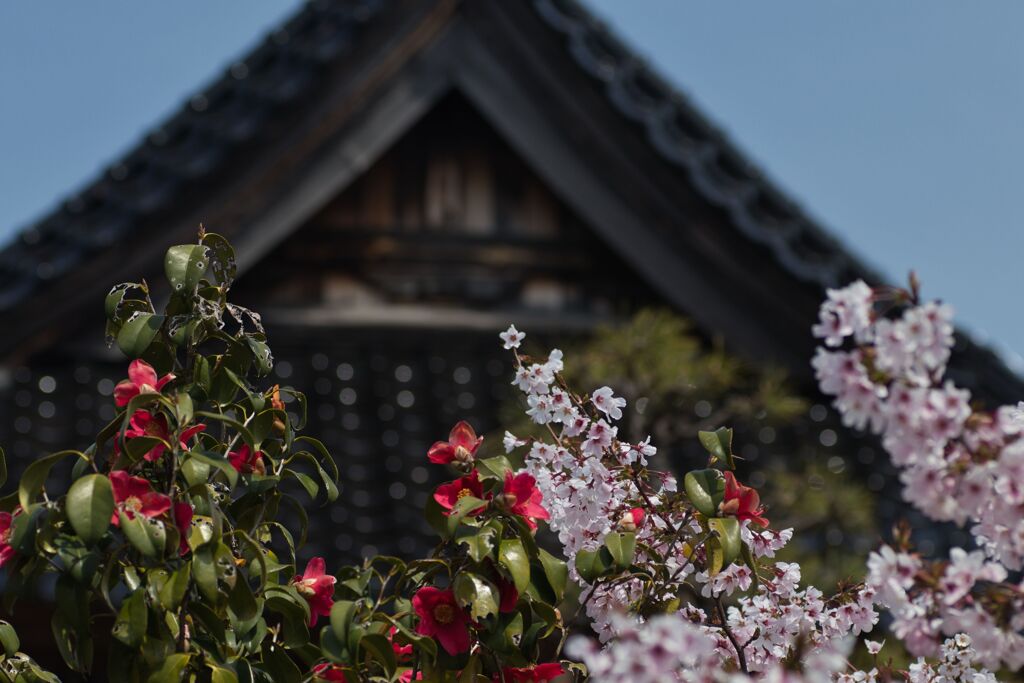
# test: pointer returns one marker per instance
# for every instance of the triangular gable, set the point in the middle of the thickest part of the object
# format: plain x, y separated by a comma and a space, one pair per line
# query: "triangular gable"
259, 152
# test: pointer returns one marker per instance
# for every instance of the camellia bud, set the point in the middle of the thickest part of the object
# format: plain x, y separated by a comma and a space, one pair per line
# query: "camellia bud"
505, 501
463, 455
632, 520
277, 404
729, 507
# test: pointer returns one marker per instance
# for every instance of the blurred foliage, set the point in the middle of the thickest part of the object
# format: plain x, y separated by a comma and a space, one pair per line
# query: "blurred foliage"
678, 383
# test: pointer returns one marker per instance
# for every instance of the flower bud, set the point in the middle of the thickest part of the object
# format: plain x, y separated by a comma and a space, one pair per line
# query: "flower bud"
632, 520
463, 455
505, 501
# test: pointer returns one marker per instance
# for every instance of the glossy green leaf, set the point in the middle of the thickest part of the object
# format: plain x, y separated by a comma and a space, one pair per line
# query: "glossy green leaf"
34, 476
378, 647
556, 571
9, 639
621, 546
138, 333
279, 665
130, 625
727, 529
147, 536
205, 572
342, 614
90, 504
479, 542
222, 258
220, 674
705, 489
719, 444
591, 564
173, 591
184, 265
494, 468
262, 356
242, 602
171, 669
477, 594
217, 462
513, 557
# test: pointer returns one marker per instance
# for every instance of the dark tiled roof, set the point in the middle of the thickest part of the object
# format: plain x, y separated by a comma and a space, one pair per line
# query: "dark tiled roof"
200, 138
684, 137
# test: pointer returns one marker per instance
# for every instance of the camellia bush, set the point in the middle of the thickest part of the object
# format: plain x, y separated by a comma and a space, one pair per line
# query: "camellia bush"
169, 548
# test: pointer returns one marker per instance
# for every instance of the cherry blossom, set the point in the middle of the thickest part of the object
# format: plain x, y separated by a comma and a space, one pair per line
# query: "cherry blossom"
512, 337
609, 404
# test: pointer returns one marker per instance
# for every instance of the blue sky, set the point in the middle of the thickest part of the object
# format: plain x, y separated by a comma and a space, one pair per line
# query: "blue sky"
896, 124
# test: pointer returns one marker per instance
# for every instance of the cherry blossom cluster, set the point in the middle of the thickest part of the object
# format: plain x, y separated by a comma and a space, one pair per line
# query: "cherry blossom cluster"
930, 600
593, 484
958, 464
885, 363
957, 664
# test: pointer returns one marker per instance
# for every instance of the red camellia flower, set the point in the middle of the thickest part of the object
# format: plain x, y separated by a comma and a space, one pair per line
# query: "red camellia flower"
406, 676
6, 529
742, 502
448, 495
538, 673
317, 587
403, 653
141, 380
144, 423
247, 461
522, 497
135, 496
460, 447
326, 671
183, 520
508, 594
442, 618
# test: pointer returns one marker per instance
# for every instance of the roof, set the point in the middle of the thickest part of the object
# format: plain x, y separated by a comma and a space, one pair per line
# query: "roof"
252, 103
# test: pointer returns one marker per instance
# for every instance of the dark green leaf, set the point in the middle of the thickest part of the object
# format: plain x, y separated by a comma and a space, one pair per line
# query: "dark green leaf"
705, 489
719, 444
512, 556
556, 571
171, 669
90, 504
494, 468
130, 625
728, 531
9, 639
222, 258
138, 333
342, 614
147, 536
379, 648
622, 546
32, 480
218, 462
173, 591
477, 594
590, 565
184, 265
